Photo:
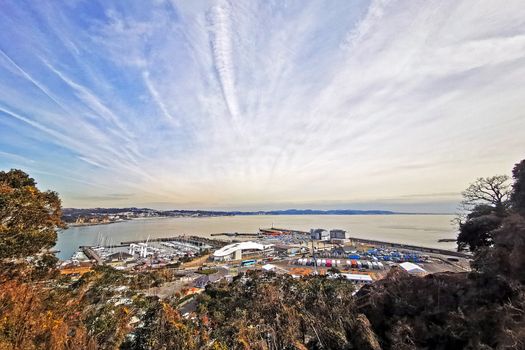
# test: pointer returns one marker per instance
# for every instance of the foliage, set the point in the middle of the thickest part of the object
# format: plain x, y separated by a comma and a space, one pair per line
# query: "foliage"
163, 328
443, 311
507, 256
262, 310
33, 317
487, 199
518, 188
210, 271
477, 230
28, 217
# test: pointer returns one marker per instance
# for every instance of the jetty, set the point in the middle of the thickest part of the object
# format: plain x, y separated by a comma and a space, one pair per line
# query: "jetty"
275, 231
236, 234
92, 254
409, 247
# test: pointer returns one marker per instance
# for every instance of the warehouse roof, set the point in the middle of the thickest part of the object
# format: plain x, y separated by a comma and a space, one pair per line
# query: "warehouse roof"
232, 248
357, 277
412, 268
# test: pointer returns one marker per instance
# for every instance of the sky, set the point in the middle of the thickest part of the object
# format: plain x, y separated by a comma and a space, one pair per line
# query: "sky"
262, 104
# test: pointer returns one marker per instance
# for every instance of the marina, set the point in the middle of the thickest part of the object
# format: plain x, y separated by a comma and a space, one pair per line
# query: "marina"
308, 252
417, 230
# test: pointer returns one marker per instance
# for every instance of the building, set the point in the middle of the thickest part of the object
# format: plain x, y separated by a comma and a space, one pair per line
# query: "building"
288, 250
413, 268
239, 251
358, 278
319, 234
338, 234
204, 280
119, 256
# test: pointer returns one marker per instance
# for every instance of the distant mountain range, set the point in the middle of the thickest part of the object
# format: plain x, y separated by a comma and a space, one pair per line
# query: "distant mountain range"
232, 212
315, 212
106, 215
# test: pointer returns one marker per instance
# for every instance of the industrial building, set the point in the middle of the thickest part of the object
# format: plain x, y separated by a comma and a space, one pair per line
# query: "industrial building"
238, 251
319, 234
338, 236
335, 235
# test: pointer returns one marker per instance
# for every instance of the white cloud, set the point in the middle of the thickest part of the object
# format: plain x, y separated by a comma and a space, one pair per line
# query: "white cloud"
236, 102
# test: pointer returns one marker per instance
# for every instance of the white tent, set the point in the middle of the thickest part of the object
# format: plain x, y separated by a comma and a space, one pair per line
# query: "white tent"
412, 268
269, 267
357, 277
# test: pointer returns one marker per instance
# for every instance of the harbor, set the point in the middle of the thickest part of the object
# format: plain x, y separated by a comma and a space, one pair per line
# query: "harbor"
291, 251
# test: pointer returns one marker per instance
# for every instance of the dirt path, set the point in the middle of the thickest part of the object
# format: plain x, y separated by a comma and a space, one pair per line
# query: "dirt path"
197, 262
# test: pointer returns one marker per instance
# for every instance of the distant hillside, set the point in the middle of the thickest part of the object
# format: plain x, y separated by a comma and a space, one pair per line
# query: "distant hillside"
98, 215
317, 212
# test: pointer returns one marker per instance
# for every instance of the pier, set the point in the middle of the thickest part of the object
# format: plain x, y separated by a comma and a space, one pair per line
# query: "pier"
286, 230
91, 254
236, 234
410, 247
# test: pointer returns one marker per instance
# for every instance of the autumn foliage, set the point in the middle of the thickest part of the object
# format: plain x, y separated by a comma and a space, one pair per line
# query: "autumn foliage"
29, 217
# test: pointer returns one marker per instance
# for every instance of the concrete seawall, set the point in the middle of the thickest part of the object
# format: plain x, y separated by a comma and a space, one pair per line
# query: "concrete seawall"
410, 247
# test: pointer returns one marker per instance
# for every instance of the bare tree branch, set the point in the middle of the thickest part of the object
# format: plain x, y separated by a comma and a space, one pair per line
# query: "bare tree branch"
494, 191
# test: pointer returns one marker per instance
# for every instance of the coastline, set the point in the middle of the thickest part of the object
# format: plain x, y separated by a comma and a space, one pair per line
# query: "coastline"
244, 215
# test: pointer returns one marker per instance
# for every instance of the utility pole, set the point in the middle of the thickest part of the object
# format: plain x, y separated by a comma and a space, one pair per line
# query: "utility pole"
314, 257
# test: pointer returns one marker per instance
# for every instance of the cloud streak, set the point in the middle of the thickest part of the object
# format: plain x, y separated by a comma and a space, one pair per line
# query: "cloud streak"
221, 44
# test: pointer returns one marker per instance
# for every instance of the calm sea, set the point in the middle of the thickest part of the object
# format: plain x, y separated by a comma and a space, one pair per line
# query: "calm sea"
422, 230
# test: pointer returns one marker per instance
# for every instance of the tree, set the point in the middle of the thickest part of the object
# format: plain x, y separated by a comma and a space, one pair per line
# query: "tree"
29, 217
518, 188
487, 199
507, 256
494, 191
476, 231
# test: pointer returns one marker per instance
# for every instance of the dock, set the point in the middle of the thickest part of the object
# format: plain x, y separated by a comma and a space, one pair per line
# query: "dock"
91, 254
410, 247
289, 231
236, 234
201, 242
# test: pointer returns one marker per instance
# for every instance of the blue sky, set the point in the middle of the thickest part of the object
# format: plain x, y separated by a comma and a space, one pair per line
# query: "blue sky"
262, 104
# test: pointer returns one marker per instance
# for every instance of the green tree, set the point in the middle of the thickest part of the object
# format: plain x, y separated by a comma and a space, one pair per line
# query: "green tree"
29, 217
487, 200
477, 230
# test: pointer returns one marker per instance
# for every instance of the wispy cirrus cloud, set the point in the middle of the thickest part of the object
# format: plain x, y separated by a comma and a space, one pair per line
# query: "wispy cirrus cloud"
234, 103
